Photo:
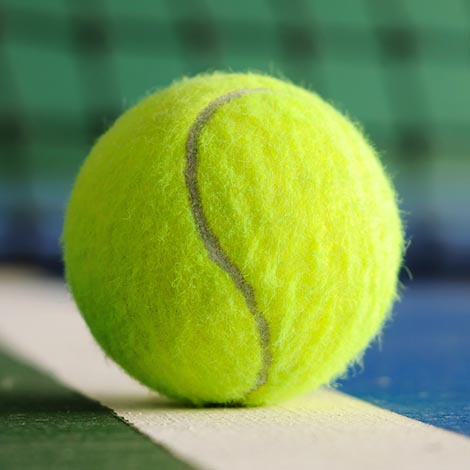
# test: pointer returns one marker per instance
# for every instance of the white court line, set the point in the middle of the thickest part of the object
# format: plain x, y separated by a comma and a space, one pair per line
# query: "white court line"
325, 430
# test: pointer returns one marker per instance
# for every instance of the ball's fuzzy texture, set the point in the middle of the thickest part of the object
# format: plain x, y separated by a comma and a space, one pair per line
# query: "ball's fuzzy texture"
233, 239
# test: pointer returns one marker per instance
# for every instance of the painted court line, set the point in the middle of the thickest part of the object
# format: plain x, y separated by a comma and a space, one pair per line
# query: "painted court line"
326, 430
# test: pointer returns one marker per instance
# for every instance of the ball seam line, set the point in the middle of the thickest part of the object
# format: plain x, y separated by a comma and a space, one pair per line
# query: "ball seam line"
211, 242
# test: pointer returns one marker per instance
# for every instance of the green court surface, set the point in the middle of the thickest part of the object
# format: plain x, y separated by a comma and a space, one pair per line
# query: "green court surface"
45, 425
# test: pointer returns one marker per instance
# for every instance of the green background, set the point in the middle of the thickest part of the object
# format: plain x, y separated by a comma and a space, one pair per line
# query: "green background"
400, 68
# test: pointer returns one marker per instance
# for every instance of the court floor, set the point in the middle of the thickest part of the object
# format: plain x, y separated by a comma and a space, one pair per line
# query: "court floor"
64, 405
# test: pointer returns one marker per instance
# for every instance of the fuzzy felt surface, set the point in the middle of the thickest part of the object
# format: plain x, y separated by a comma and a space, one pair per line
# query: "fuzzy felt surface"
279, 253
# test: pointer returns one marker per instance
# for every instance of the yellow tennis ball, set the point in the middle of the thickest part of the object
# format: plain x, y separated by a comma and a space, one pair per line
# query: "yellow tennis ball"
233, 239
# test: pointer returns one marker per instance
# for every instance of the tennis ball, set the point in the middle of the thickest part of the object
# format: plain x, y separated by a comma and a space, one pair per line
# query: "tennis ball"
233, 239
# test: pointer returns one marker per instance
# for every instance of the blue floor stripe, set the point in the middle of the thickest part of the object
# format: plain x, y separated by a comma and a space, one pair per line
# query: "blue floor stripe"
421, 368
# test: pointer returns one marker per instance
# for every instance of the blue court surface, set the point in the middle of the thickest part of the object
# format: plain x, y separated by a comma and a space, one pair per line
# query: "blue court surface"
421, 368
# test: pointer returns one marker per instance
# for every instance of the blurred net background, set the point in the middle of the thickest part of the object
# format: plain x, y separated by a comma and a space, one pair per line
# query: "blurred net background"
401, 68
